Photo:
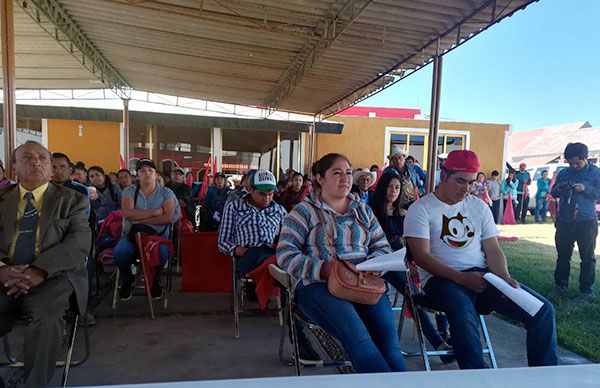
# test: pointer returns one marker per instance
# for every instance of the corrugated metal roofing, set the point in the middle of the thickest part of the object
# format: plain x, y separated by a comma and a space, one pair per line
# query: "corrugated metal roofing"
42, 63
552, 140
251, 51
534, 161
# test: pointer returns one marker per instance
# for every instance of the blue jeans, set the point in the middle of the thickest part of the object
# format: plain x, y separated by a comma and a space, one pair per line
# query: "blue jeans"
495, 210
462, 307
541, 204
123, 256
398, 280
368, 333
253, 258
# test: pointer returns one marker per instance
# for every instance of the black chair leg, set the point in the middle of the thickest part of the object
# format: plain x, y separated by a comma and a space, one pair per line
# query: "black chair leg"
71, 339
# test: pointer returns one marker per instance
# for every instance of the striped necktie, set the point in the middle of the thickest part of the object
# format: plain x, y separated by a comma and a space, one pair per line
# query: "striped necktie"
25, 247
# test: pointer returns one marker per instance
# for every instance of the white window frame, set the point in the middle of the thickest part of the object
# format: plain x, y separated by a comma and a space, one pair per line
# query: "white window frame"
390, 130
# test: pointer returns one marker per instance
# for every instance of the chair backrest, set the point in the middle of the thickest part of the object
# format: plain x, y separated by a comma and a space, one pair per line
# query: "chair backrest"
280, 275
412, 274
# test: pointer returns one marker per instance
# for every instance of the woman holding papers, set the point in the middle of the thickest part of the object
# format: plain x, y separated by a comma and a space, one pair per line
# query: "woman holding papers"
331, 224
385, 203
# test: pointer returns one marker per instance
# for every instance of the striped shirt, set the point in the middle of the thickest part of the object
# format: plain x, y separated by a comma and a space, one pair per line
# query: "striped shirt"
355, 236
244, 225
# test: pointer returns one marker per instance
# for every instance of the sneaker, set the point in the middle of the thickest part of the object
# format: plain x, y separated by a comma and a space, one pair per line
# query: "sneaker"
156, 292
558, 292
126, 291
583, 298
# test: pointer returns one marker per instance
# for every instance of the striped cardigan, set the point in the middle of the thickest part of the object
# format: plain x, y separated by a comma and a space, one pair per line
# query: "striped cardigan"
302, 247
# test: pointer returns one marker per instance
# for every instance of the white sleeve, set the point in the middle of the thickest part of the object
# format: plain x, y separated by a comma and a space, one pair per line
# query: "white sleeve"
488, 226
416, 223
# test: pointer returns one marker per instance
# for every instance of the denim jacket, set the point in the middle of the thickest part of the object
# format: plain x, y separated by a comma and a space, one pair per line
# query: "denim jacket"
570, 200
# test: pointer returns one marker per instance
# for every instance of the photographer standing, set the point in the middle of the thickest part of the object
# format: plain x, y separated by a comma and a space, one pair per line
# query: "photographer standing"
578, 189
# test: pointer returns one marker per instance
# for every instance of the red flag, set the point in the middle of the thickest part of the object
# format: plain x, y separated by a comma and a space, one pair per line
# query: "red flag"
215, 166
204, 187
149, 247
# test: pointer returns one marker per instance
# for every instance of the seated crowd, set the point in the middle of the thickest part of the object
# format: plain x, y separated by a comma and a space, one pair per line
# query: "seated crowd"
304, 225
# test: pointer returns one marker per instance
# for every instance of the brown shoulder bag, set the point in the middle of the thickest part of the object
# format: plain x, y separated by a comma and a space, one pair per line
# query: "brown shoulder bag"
346, 282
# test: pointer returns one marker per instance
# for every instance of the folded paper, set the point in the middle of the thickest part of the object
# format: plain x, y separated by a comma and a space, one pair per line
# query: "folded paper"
389, 262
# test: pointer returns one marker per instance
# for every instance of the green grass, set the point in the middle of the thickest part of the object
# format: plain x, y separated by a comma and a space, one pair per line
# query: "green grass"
531, 260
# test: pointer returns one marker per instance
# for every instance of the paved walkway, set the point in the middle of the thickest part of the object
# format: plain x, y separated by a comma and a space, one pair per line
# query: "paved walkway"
193, 340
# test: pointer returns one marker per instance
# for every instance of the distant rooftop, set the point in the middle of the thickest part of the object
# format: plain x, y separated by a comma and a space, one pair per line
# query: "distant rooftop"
388, 113
551, 141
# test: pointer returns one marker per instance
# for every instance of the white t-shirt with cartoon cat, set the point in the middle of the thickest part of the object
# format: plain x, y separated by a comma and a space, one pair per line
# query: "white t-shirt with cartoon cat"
454, 231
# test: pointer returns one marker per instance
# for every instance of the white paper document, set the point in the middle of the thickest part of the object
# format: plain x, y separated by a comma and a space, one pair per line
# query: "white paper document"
522, 298
390, 262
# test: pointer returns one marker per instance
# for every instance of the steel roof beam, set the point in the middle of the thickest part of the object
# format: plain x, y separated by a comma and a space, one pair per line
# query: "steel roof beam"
50, 15
308, 56
419, 59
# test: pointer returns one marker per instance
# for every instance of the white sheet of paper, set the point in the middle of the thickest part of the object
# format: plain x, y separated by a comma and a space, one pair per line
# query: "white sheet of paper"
522, 298
390, 262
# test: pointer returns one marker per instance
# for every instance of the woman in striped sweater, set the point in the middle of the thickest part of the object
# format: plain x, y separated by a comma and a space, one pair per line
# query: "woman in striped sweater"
368, 333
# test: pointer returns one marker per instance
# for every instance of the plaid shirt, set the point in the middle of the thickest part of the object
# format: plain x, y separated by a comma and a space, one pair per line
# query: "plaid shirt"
244, 225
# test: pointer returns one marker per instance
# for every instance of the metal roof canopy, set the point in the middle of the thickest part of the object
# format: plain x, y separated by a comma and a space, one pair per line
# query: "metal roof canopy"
310, 56
174, 120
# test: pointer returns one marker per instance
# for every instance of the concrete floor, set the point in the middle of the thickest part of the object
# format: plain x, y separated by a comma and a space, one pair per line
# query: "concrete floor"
193, 340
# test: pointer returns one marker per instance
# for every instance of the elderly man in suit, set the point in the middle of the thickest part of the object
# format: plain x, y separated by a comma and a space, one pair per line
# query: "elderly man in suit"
44, 240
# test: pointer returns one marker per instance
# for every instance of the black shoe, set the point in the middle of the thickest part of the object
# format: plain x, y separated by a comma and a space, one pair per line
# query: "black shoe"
89, 319
307, 354
558, 292
251, 291
126, 291
156, 292
583, 298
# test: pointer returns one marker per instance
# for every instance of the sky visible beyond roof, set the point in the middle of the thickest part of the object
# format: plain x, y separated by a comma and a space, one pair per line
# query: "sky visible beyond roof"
538, 68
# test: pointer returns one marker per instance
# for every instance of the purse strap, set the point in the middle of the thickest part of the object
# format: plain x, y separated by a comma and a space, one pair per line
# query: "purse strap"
328, 241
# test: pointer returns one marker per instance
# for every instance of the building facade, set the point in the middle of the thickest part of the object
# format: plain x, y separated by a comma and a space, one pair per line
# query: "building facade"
97, 137
369, 134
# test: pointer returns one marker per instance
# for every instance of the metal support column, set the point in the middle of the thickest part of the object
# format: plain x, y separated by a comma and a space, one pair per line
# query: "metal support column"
217, 149
278, 156
311, 144
434, 122
126, 132
8, 78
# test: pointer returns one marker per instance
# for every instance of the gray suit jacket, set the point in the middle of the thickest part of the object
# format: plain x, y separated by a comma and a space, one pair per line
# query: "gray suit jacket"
65, 235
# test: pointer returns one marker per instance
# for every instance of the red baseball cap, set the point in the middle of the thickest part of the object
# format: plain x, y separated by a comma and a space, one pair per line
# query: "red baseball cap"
462, 161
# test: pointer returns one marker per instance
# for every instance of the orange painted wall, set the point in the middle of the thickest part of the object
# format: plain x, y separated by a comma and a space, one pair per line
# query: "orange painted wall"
363, 140
99, 144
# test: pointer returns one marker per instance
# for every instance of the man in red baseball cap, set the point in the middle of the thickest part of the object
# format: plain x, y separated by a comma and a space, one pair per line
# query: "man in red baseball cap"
453, 238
